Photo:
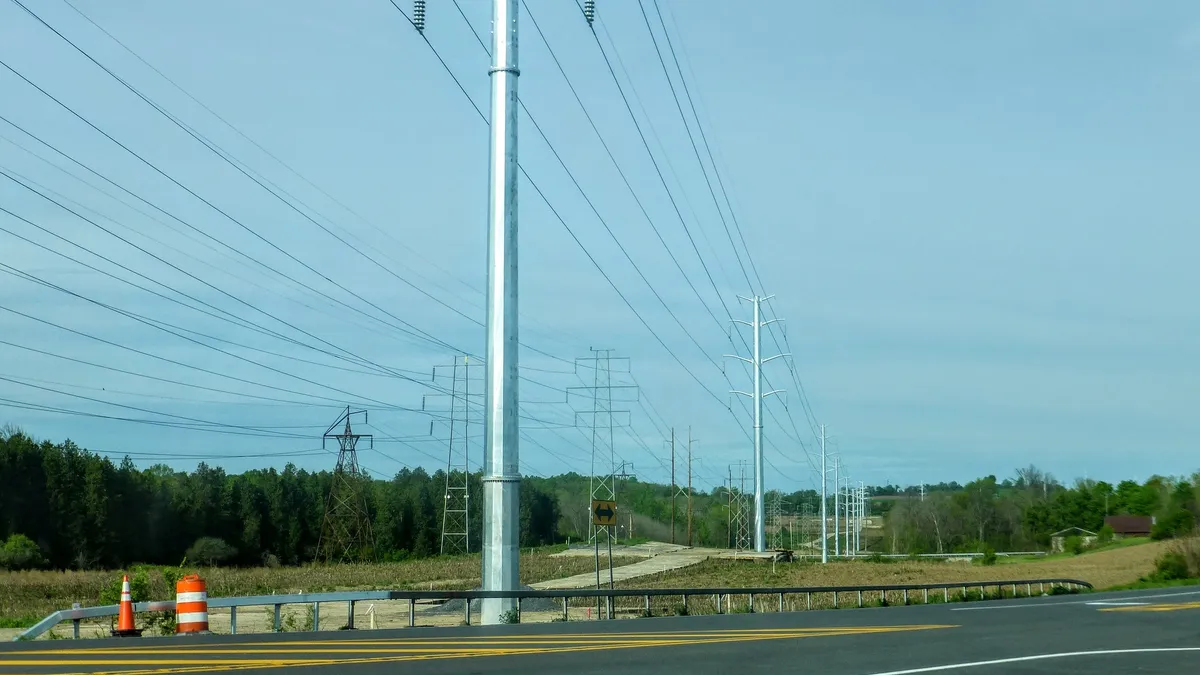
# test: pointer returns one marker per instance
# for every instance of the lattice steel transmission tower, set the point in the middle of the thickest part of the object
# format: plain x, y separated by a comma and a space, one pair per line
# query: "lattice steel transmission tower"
346, 528
456, 514
774, 518
743, 535
602, 418
807, 528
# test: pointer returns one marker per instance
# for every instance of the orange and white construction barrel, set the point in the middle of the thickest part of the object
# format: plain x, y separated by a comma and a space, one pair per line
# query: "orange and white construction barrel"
191, 605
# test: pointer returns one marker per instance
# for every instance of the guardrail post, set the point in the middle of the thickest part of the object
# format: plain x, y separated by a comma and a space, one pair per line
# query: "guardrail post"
860, 599
316, 616
75, 628
946, 592
519, 610
278, 624
926, 592
467, 611
233, 620
647, 604
685, 604
781, 603
906, 597
718, 603
1042, 588
835, 599
566, 600
751, 603
808, 599
350, 614
412, 612
1029, 590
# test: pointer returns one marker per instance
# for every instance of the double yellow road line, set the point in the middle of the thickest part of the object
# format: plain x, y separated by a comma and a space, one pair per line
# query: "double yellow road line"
162, 658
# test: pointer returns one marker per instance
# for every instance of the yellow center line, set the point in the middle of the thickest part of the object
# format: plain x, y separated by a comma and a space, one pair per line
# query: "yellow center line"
442, 647
645, 640
354, 645
1170, 607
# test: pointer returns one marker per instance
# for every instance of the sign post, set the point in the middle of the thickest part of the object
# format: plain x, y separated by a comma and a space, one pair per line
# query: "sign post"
604, 514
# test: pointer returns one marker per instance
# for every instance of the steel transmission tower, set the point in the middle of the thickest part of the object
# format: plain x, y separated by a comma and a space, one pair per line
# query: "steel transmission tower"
456, 514
346, 526
602, 419
756, 362
501, 462
806, 523
741, 512
774, 517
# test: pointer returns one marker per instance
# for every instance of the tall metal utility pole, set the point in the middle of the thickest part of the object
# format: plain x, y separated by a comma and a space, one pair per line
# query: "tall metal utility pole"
849, 516
760, 537
689, 492
673, 490
837, 512
824, 502
862, 507
502, 476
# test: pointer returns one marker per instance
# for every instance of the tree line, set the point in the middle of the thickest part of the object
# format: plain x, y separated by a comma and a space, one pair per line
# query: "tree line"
64, 507
81, 510
1023, 513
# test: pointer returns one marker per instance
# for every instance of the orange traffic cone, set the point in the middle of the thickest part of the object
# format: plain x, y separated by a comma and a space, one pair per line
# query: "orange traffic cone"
125, 625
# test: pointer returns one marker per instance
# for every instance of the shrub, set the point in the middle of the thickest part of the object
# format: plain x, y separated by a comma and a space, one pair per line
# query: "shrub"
1174, 525
1189, 549
1170, 566
1073, 544
989, 556
19, 552
210, 551
1105, 535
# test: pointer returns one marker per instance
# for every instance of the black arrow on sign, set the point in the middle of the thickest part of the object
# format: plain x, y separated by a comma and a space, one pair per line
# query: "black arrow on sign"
604, 512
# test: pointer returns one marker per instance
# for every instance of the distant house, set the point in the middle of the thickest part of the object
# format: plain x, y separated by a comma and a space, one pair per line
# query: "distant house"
1058, 539
1130, 526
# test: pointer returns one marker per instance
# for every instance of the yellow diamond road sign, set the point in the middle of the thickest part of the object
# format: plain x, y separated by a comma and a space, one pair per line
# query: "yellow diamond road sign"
604, 512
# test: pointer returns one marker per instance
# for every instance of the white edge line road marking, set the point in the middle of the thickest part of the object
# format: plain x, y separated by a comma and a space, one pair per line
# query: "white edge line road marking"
1118, 604
1038, 657
1029, 605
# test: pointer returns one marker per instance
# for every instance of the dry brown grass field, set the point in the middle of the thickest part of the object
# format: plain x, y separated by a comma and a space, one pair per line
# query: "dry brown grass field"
1101, 568
26, 597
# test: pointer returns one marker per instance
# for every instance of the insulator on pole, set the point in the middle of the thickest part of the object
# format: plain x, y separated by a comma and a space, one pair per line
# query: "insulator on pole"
419, 15
589, 10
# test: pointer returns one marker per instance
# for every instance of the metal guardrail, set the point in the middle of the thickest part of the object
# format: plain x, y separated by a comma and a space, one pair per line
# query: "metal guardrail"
78, 614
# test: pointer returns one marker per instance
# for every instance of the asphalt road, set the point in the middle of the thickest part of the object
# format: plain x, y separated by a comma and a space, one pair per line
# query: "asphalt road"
1143, 631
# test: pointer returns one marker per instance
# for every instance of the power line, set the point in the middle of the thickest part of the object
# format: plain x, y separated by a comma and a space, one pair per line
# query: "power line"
563, 222
237, 222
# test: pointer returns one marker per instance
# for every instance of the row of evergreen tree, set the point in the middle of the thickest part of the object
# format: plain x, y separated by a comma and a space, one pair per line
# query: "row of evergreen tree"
83, 511
80, 510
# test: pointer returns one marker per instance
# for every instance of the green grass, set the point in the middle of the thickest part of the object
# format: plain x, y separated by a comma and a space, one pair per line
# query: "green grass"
1144, 585
18, 621
1110, 546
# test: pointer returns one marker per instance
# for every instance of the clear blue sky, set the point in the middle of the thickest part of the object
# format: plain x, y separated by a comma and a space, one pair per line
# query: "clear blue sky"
974, 216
